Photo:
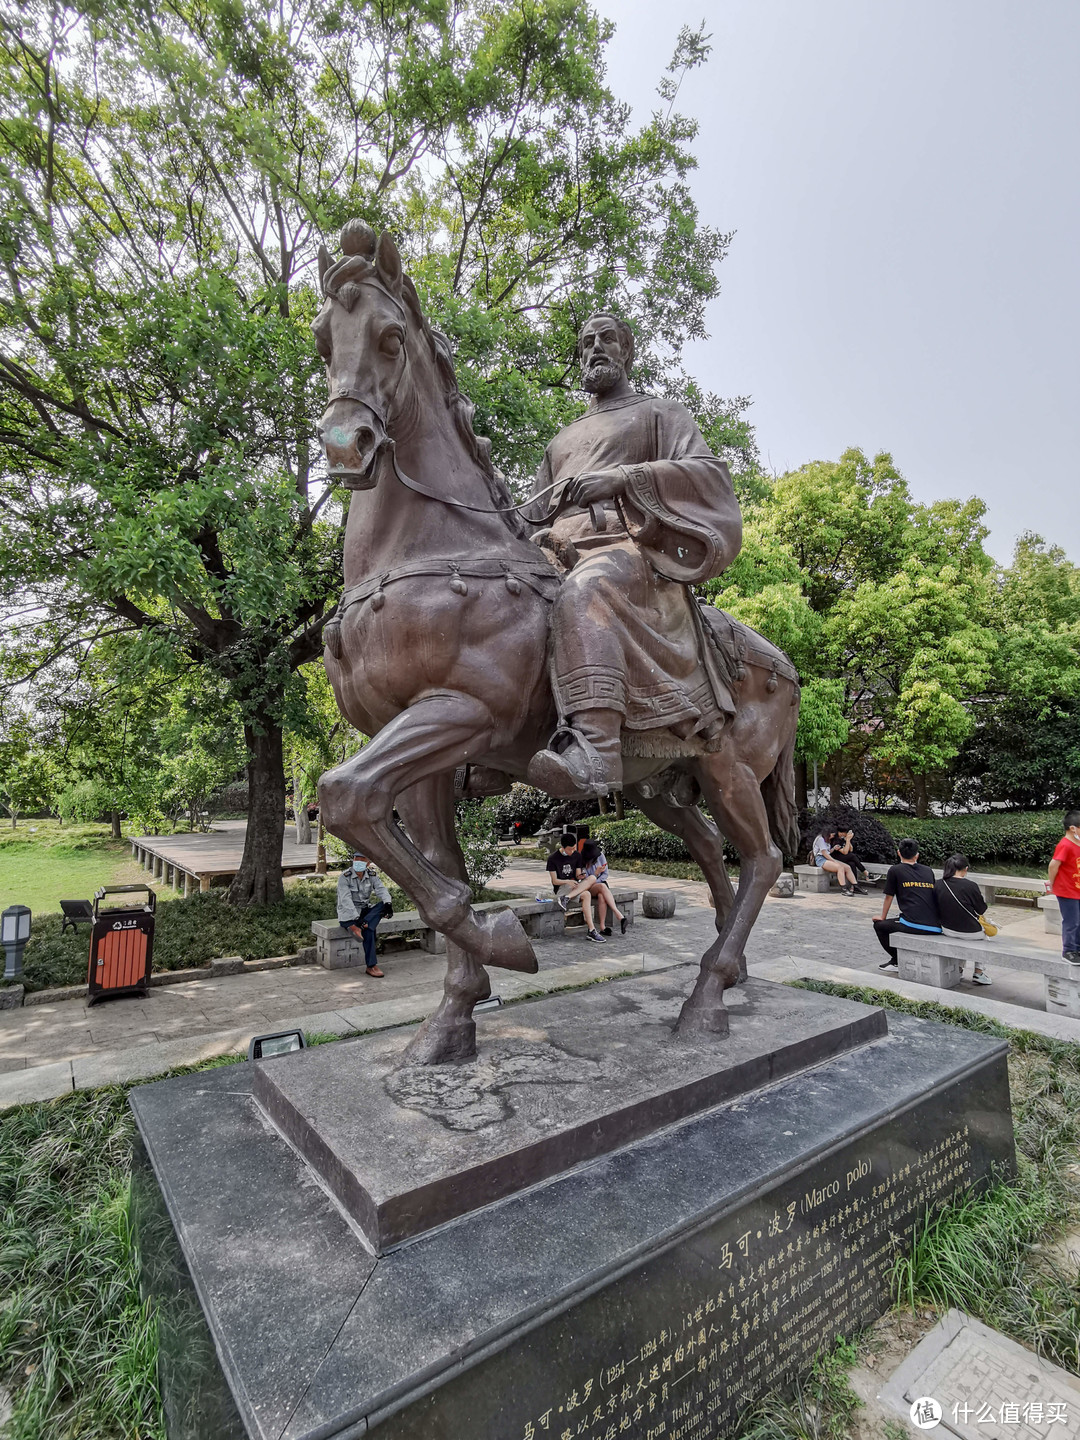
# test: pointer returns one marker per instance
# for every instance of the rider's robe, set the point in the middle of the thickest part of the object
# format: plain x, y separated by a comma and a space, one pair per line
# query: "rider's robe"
626, 630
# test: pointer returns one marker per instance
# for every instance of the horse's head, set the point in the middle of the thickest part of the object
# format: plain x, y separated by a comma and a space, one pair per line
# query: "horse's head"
360, 332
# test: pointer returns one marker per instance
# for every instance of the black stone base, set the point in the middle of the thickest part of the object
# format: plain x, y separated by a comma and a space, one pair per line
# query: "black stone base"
654, 1292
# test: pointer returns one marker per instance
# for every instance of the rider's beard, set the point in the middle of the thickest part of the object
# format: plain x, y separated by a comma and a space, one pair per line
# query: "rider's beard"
600, 376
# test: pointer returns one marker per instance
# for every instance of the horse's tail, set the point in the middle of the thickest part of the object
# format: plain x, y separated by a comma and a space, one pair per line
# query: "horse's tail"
778, 792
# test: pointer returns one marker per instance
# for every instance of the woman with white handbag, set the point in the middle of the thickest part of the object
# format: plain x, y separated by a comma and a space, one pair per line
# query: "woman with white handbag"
962, 906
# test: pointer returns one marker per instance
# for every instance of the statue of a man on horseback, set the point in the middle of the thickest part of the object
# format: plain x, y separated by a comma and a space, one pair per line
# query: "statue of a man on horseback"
439, 649
641, 509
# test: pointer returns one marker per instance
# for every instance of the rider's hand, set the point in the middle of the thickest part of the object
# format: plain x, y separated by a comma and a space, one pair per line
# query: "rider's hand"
594, 486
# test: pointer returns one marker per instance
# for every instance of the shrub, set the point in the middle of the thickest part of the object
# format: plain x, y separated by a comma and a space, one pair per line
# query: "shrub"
1012, 837
637, 838
871, 839
524, 803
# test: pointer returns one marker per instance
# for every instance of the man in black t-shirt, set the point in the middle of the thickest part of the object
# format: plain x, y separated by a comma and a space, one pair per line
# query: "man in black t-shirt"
912, 886
564, 866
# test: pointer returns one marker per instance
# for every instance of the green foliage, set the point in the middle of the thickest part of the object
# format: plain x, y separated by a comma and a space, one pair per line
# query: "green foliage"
476, 832
883, 605
166, 176
78, 1346
1008, 837
191, 932
637, 838
820, 1406
524, 803
990, 1254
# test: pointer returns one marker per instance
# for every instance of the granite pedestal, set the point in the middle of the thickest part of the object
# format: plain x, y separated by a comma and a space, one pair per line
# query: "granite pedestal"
744, 1204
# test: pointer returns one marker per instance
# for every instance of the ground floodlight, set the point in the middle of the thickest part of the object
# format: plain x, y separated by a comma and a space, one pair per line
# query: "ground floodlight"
283, 1042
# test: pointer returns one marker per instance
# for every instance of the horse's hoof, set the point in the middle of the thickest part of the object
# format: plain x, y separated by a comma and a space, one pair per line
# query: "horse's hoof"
702, 1019
505, 944
442, 1040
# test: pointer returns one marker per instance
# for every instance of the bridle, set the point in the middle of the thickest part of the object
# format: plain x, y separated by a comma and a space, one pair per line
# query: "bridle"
348, 392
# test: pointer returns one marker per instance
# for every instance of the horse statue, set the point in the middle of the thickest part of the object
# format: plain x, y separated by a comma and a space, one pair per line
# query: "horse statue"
439, 652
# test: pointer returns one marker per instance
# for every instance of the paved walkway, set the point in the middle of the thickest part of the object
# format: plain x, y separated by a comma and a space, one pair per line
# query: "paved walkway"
46, 1050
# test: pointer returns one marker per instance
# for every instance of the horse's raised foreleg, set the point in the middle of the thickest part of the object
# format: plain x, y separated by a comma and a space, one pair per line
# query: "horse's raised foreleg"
427, 741
704, 842
733, 794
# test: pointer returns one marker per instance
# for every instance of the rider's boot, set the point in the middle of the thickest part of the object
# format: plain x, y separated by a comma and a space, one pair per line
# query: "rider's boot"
583, 757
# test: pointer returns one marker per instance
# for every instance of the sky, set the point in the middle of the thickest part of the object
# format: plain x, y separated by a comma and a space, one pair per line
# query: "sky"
902, 179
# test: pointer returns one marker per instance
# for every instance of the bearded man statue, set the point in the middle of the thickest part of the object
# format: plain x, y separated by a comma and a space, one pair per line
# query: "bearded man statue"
640, 510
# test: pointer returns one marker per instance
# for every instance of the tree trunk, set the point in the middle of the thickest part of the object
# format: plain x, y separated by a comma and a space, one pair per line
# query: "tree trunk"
834, 778
603, 804
114, 820
922, 798
14, 821
802, 788
618, 805
258, 881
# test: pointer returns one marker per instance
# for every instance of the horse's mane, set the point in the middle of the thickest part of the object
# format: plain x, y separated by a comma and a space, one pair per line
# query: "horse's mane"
344, 282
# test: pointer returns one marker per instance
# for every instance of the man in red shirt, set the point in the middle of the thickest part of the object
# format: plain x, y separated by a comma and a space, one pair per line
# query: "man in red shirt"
1065, 883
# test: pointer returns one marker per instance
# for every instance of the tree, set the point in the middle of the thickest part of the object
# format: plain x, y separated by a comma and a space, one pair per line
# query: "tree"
25, 779
884, 606
165, 176
1025, 747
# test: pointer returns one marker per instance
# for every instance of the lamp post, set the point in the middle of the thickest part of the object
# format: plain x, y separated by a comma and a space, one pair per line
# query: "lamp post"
14, 933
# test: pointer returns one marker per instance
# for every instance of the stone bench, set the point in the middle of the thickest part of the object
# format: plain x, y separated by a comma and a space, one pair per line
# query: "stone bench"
812, 880
936, 960
1048, 904
988, 884
336, 949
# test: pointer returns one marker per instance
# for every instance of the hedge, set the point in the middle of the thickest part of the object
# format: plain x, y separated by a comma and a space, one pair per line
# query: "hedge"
1011, 837
637, 838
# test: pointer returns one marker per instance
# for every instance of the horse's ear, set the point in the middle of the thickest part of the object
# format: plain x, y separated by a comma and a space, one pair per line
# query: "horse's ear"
325, 261
388, 262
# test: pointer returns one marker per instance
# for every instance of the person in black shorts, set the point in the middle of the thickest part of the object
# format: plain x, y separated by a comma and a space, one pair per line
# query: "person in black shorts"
564, 866
842, 848
912, 886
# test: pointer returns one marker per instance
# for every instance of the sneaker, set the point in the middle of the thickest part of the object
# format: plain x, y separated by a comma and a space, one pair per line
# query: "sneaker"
562, 900
594, 935
623, 924
981, 978
890, 965
859, 890
606, 930
1073, 957
846, 890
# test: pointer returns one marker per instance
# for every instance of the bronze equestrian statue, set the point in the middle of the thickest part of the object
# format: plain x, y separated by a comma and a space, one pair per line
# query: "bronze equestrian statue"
457, 643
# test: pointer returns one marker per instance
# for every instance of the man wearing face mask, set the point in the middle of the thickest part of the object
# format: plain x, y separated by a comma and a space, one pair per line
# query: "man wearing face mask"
362, 901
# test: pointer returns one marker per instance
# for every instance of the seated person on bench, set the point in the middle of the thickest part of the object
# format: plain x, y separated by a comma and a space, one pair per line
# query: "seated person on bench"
821, 856
594, 883
960, 902
912, 886
842, 848
362, 901
564, 866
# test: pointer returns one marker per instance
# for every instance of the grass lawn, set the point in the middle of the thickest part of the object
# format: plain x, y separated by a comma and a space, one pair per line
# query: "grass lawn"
78, 1345
43, 862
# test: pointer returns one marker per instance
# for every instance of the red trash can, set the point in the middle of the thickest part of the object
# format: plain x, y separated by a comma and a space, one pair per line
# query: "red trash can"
121, 944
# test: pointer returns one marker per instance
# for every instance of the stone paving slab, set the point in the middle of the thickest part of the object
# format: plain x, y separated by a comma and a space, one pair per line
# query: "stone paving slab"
987, 1386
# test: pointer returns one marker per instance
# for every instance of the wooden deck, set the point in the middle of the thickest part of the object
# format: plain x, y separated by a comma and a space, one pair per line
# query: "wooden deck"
196, 861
